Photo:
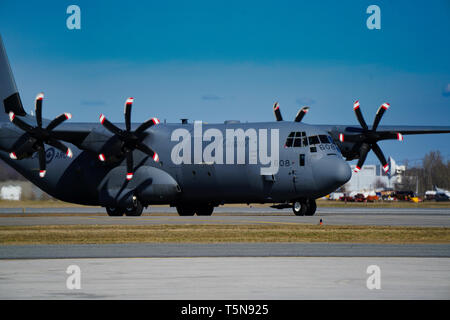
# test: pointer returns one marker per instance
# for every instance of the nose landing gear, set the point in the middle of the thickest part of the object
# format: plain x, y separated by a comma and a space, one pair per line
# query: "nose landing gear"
304, 207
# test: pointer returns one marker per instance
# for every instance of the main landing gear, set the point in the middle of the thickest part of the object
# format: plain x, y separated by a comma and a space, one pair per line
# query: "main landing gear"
134, 210
189, 210
304, 207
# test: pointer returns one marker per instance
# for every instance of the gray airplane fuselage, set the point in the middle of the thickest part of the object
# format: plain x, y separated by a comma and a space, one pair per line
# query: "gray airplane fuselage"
298, 172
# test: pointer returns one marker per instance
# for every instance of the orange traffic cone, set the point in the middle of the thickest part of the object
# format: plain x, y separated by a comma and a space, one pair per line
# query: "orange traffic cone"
320, 223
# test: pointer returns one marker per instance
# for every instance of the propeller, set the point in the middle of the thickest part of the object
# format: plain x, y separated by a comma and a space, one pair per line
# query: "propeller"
35, 137
301, 113
130, 140
368, 138
277, 112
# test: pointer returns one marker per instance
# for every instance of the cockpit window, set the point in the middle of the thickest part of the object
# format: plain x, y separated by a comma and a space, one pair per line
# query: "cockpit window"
313, 140
323, 138
299, 139
295, 139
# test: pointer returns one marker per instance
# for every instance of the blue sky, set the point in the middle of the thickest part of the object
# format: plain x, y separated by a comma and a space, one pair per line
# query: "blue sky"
218, 60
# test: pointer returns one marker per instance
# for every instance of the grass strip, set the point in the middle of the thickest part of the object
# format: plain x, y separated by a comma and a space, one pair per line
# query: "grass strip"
102, 234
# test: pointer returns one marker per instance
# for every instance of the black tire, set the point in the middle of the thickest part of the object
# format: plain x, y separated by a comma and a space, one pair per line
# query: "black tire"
311, 207
204, 211
134, 211
299, 208
185, 211
114, 211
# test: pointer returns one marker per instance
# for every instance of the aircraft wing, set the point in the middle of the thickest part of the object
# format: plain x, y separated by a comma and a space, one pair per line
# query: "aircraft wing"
386, 130
355, 142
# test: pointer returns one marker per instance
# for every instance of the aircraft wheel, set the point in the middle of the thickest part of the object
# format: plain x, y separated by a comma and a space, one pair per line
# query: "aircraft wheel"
114, 211
185, 211
135, 210
299, 208
311, 207
205, 211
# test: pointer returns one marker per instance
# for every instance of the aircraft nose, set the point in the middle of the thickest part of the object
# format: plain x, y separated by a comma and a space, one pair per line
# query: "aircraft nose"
330, 173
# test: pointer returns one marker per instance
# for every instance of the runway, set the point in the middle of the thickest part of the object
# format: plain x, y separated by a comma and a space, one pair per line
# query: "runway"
231, 215
227, 278
227, 270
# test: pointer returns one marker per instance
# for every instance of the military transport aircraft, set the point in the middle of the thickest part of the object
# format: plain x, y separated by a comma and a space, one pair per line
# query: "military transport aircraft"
192, 166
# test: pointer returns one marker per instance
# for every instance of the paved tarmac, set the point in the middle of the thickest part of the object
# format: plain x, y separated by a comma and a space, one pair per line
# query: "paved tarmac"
160, 250
230, 270
224, 215
228, 278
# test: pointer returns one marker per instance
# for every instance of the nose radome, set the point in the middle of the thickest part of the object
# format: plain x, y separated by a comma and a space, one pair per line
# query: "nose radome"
330, 173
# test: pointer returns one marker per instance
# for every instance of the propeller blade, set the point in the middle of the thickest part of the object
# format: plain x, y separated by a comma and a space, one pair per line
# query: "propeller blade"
377, 150
277, 112
359, 115
60, 146
142, 147
147, 124
38, 108
379, 115
301, 113
351, 137
42, 160
21, 151
363, 151
58, 120
127, 111
111, 127
20, 123
130, 166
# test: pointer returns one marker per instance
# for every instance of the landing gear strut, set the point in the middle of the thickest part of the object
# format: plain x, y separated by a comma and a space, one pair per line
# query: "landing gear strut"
304, 207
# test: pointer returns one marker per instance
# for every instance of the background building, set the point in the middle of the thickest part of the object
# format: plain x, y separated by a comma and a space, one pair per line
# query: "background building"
372, 177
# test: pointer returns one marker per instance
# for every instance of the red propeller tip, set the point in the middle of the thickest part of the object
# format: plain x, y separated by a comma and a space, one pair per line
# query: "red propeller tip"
385, 106
156, 157
356, 105
155, 120
341, 137
129, 101
12, 155
42, 173
69, 153
11, 116
40, 96
102, 118
386, 167
357, 169
399, 137
68, 115
101, 157
129, 176
276, 106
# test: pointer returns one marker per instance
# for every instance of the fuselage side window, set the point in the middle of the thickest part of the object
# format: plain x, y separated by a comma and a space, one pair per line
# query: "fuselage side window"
302, 160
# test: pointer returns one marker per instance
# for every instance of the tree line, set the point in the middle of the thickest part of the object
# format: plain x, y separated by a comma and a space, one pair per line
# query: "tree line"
434, 171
